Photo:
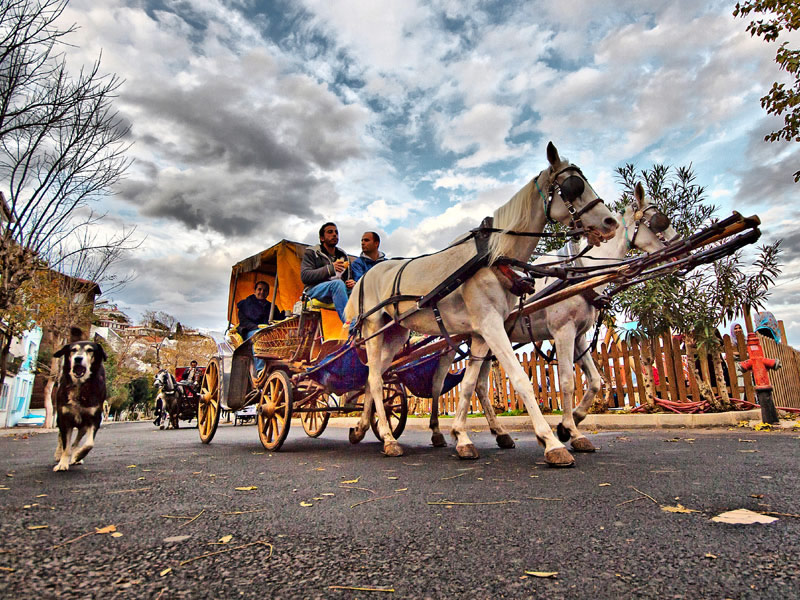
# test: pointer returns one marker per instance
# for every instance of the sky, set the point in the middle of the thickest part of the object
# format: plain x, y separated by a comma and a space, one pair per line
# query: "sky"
252, 121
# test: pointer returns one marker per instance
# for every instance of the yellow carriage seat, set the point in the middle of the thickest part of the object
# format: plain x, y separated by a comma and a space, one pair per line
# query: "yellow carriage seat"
332, 328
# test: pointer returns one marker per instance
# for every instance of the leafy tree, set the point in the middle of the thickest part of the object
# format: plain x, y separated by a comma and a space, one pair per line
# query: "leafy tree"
780, 16
696, 303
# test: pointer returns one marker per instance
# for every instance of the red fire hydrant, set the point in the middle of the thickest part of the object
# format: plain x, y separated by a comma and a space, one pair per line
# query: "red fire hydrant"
759, 365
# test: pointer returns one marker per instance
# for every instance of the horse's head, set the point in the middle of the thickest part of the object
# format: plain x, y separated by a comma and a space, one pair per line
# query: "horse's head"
570, 199
160, 379
646, 227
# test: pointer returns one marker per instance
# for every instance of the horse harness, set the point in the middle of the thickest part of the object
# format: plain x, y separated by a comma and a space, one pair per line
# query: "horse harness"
569, 190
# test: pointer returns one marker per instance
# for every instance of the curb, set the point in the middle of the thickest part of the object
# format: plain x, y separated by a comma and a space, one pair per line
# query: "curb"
639, 421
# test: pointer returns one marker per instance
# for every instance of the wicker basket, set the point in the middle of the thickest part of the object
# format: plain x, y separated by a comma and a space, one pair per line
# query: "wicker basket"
290, 339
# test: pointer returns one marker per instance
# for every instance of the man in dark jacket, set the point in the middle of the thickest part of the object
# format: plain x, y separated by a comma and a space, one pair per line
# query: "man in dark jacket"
325, 270
254, 311
370, 255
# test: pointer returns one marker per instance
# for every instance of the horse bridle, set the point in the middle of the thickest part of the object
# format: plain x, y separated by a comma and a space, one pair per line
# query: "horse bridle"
657, 228
568, 190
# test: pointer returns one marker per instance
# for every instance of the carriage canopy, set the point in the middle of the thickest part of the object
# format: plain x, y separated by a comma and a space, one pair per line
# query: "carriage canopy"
280, 263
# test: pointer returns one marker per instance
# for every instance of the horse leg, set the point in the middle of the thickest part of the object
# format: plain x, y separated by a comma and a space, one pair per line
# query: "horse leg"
464, 446
358, 432
437, 439
567, 430
379, 361
580, 442
493, 332
482, 390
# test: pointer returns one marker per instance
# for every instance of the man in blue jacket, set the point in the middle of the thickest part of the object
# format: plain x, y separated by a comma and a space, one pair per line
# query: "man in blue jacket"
254, 311
370, 255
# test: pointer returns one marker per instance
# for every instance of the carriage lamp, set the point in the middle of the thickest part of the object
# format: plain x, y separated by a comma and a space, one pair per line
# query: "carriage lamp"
760, 366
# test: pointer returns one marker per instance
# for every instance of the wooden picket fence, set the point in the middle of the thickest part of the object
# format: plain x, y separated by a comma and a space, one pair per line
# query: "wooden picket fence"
621, 367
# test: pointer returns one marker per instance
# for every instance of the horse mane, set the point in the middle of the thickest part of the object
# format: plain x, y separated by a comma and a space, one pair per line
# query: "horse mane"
515, 215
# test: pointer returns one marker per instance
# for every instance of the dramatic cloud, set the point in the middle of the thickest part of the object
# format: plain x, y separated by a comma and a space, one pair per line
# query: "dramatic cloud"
416, 119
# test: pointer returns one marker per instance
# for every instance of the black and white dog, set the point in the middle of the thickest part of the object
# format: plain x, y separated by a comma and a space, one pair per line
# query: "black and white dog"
79, 400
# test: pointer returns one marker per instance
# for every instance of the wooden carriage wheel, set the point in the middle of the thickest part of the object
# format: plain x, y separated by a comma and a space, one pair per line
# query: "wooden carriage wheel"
208, 402
395, 402
314, 423
275, 410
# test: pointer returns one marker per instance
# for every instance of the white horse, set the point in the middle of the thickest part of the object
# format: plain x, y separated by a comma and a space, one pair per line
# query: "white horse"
643, 227
480, 304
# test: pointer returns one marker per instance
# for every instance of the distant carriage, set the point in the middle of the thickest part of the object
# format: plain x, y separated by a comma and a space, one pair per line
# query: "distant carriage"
179, 398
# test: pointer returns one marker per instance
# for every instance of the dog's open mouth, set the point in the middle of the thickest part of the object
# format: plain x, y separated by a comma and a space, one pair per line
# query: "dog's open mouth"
78, 370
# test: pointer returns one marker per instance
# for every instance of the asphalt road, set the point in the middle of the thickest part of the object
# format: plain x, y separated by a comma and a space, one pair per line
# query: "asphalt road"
304, 529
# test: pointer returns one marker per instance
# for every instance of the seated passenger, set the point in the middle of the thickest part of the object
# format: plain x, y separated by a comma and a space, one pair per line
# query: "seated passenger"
192, 376
325, 270
254, 311
370, 255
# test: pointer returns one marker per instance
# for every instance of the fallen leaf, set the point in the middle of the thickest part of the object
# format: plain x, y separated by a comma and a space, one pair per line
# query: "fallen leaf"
140, 478
756, 495
763, 427
176, 538
318, 498
391, 477
747, 441
116, 534
709, 555
42, 496
320, 469
328, 494
106, 529
225, 539
131, 466
542, 573
248, 488
352, 480
604, 485
743, 516
748, 451
678, 509
306, 504
32, 527
402, 490
165, 571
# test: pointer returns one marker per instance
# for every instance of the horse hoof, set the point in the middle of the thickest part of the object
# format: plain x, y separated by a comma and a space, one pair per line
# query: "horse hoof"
354, 436
467, 452
504, 441
583, 444
392, 449
562, 433
438, 441
559, 457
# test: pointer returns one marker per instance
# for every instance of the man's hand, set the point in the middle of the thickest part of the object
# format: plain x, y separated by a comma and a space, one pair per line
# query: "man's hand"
349, 283
339, 266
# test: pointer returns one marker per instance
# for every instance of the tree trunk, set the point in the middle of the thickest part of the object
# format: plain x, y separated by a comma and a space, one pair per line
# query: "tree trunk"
703, 381
49, 409
6, 338
647, 375
724, 397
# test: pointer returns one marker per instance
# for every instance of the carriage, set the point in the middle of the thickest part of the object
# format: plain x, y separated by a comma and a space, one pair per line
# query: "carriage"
311, 372
314, 368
